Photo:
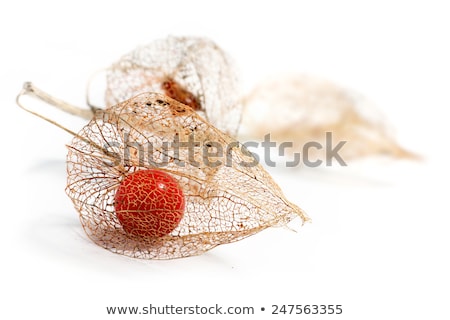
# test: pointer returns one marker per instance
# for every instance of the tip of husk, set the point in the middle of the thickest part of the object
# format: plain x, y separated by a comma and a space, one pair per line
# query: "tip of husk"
402, 153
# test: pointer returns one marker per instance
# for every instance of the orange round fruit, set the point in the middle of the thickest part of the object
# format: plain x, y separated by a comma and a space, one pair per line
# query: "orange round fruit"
149, 203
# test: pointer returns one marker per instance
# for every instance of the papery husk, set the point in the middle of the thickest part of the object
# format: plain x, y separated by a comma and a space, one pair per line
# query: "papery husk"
197, 66
224, 203
302, 109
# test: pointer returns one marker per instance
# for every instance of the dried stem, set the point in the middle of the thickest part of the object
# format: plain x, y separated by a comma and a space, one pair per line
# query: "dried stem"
31, 90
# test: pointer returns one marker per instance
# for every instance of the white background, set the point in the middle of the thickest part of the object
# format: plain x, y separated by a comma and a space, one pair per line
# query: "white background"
379, 241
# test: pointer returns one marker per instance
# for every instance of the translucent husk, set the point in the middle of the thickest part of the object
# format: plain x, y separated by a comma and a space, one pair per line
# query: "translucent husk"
196, 65
224, 203
292, 108
301, 109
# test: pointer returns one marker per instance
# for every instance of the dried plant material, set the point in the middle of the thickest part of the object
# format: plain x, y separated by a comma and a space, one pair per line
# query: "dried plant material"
227, 195
301, 109
193, 71
159, 175
298, 109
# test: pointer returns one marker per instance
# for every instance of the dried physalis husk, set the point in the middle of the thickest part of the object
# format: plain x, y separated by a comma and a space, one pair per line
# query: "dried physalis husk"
193, 71
301, 109
227, 195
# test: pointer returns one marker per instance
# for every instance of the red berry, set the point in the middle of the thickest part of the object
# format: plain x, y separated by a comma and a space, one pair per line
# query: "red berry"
175, 91
149, 203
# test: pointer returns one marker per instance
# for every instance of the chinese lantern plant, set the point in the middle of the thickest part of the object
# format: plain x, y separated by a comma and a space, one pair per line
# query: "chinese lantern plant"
162, 204
166, 204
137, 197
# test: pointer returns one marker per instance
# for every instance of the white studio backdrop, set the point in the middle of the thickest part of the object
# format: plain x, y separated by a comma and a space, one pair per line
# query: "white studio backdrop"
378, 243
